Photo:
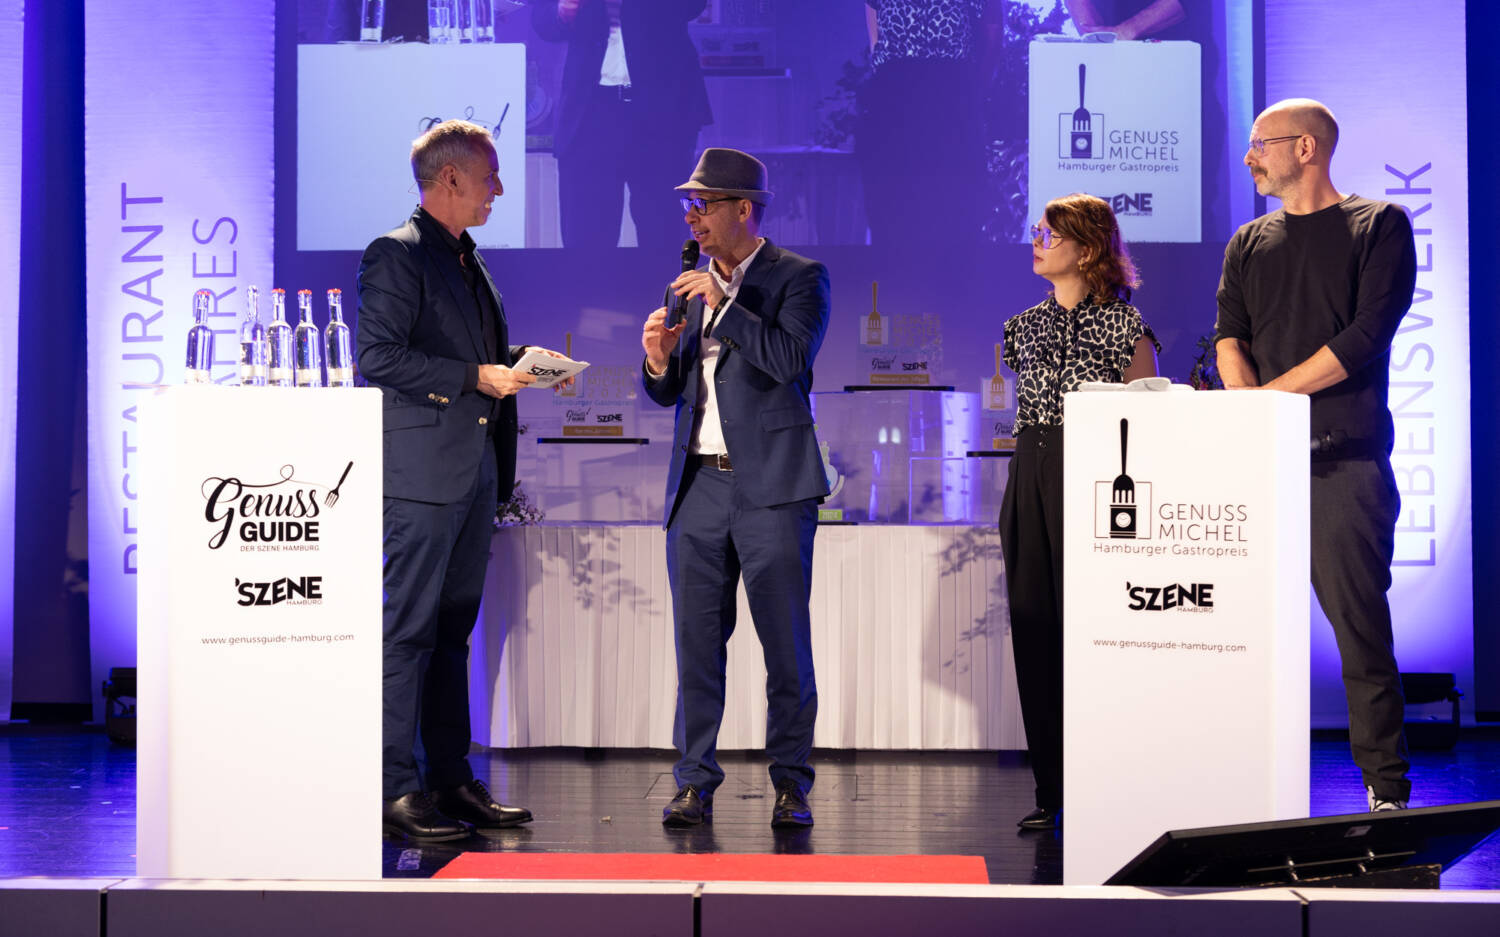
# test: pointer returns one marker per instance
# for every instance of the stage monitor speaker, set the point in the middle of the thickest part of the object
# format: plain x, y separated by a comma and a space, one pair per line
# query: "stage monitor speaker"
119, 706
1431, 732
1390, 849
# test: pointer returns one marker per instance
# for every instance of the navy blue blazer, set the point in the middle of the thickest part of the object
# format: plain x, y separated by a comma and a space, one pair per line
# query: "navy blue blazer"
416, 337
763, 381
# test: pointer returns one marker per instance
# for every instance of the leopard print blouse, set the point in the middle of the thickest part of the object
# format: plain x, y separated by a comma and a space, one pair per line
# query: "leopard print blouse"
926, 29
1053, 350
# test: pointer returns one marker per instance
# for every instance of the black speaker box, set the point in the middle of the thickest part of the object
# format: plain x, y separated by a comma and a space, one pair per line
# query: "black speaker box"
1390, 849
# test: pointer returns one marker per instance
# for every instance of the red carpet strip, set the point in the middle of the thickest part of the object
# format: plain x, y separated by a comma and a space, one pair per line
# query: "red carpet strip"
717, 867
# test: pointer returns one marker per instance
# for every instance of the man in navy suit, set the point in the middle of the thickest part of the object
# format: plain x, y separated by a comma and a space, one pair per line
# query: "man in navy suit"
432, 336
745, 480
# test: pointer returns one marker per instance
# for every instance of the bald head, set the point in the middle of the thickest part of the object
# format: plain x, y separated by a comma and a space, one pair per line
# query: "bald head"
1304, 115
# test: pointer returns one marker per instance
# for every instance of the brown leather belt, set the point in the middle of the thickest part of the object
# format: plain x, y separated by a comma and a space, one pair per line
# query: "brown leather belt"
719, 461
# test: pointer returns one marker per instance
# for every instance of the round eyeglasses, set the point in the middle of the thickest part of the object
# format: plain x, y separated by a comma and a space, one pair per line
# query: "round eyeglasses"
1046, 236
1259, 145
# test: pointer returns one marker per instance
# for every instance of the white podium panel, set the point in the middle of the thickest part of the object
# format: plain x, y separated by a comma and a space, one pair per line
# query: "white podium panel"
259, 639
1186, 601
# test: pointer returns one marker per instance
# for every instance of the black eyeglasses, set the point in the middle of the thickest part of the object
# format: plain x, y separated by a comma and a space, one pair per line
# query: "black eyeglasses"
1046, 236
1259, 145
700, 205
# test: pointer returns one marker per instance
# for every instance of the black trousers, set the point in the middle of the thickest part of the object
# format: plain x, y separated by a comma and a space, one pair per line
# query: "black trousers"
1031, 539
1354, 510
622, 144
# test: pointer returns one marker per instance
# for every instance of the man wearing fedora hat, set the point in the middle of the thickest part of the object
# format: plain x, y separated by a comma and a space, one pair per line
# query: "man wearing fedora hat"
745, 480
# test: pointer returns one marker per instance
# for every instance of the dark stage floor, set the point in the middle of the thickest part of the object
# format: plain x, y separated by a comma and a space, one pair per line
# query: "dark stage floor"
67, 806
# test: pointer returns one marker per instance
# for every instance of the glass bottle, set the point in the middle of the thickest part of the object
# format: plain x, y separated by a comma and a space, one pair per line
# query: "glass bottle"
279, 343
200, 342
484, 20
338, 344
309, 344
372, 20
440, 22
252, 342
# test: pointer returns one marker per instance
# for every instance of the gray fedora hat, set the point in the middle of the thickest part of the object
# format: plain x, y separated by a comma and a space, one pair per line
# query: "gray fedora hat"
729, 171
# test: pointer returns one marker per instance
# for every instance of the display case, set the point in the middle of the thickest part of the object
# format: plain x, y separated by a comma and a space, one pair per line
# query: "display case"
594, 480
899, 455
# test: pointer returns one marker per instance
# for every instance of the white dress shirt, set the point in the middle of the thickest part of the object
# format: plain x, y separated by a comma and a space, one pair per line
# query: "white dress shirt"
708, 434
613, 72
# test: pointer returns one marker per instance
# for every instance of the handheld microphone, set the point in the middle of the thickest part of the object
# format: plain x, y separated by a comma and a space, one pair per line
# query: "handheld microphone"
677, 305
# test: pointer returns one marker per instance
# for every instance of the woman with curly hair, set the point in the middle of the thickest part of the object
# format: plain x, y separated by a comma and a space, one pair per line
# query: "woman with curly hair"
1085, 330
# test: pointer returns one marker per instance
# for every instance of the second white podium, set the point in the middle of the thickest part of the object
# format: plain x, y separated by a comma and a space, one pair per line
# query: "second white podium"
1186, 604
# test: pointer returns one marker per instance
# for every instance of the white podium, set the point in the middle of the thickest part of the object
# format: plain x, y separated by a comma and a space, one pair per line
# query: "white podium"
1186, 604
259, 639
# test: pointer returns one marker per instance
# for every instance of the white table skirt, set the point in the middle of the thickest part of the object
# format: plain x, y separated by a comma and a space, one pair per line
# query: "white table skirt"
911, 641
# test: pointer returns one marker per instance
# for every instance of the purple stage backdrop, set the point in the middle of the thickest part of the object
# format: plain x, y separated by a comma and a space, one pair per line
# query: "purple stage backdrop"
178, 199
1398, 94
11, 31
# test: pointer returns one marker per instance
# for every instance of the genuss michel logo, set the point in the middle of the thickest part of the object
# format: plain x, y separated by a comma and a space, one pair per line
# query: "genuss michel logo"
278, 514
1081, 135
1125, 509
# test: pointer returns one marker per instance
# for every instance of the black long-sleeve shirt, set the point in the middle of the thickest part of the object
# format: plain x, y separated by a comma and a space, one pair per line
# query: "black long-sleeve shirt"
1341, 277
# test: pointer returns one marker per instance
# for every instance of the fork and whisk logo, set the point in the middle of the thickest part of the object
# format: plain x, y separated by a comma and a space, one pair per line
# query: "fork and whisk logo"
1122, 508
273, 515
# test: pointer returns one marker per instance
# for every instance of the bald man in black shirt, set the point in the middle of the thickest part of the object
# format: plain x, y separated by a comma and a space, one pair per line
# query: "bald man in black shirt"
1309, 301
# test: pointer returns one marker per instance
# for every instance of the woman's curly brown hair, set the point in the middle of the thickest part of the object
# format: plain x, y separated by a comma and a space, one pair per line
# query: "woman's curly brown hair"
1106, 264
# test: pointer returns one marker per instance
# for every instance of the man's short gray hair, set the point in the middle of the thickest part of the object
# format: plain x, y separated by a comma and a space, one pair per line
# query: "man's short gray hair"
452, 141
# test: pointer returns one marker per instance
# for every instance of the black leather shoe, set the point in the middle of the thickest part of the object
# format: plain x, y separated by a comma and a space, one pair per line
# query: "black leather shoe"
415, 817
791, 806
472, 803
1042, 818
688, 808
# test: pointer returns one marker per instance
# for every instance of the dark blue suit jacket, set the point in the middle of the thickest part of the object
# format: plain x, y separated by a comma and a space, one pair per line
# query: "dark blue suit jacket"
770, 335
418, 333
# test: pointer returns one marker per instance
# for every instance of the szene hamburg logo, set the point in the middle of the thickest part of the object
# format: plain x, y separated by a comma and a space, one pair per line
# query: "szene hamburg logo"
299, 590
1184, 597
